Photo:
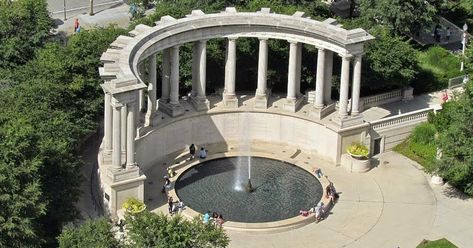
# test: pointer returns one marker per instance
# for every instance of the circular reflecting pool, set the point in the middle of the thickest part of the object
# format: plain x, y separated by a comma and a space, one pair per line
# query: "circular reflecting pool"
280, 189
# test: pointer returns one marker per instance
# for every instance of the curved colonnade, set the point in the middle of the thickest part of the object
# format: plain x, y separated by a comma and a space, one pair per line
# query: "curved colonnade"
124, 85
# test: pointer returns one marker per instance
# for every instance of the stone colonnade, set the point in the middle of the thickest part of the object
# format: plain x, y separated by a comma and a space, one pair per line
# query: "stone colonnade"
120, 132
169, 101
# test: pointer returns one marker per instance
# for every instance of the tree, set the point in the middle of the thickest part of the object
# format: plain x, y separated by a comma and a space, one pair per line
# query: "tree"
24, 27
390, 60
92, 233
455, 126
402, 16
21, 200
147, 229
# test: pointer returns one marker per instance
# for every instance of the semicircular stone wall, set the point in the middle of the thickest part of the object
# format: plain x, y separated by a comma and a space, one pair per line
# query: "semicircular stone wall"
231, 127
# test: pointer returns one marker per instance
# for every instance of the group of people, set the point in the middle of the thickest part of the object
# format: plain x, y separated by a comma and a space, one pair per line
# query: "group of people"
330, 193
216, 219
202, 152
175, 206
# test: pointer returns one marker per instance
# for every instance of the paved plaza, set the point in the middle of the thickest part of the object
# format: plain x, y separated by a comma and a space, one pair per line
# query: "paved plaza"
393, 205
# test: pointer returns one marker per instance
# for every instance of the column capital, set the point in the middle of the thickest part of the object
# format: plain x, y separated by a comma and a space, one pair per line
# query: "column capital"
345, 56
263, 39
232, 38
116, 103
321, 48
293, 42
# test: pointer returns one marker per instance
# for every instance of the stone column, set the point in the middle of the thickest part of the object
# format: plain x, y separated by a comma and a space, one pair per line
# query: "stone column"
328, 76
130, 132
195, 68
355, 99
166, 67
298, 69
291, 72
261, 97
344, 84
142, 100
117, 151
199, 76
150, 114
108, 124
123, 129
174, 94
262, 67
319, 84
229, 97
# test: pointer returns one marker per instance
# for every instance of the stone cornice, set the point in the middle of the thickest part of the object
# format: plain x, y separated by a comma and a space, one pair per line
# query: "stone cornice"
122, 58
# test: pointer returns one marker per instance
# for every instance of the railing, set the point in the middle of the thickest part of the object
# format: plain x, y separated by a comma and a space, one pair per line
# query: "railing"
456, 82
414, 116
375, 100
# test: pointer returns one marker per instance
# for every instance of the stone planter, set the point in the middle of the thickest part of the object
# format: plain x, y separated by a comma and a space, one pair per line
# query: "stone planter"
358, 164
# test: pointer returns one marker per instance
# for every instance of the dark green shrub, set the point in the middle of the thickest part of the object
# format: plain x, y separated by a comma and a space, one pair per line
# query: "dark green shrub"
424, 134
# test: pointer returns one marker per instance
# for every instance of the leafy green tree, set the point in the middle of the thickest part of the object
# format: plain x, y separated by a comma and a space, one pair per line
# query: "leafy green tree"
389, 59
24, 27
147, 229
455, 126
21, 200
93, 233
402, 16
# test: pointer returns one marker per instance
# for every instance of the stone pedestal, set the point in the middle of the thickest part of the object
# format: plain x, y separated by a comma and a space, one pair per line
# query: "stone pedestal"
119, 185
407, 94
172, 110
230, 101
153, 119
320, 113
348, 121
355, 165
200, 104
292, 105
261, 102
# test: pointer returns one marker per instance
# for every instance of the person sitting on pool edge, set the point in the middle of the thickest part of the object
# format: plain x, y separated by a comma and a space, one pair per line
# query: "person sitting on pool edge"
202, 153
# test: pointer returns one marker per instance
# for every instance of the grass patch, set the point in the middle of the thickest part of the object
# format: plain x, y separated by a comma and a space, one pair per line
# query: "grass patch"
441, 243
436, 66
420, 146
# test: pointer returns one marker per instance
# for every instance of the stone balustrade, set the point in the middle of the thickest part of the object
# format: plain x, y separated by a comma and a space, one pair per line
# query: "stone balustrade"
411, 117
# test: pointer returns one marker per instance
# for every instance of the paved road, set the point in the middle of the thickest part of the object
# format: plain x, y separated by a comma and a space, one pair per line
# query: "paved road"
76, 7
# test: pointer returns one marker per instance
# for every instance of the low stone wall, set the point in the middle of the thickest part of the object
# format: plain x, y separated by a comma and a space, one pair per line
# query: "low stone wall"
394, 130
231, 127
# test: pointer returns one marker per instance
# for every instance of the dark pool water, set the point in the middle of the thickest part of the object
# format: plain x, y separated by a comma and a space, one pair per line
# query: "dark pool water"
281, 189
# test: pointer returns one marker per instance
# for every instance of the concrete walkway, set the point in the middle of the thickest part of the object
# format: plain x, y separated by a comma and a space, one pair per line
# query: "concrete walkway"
393, 205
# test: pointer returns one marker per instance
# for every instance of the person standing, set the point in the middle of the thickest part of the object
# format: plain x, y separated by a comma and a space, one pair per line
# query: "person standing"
448, 33
170, 204
192, 151
76, 25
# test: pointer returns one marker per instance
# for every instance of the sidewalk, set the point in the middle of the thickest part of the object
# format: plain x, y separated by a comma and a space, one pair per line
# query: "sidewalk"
118, 15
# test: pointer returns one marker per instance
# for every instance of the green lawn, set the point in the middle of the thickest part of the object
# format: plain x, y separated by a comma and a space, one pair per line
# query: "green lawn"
441, 243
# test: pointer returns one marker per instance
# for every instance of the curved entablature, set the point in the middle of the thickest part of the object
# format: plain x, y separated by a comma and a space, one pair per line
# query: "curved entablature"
122, 59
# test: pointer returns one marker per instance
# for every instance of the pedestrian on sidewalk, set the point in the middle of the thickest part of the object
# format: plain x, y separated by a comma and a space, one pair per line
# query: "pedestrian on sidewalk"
76, 25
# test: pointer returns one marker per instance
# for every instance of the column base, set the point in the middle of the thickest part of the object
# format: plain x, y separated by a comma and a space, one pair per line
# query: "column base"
320, 113
292, 105
261, 102
172, 110
152, 119
120, 185
107, 156
200, 104
230, 101
348, 121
